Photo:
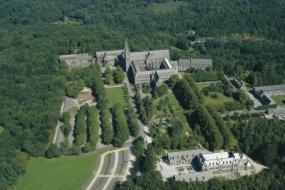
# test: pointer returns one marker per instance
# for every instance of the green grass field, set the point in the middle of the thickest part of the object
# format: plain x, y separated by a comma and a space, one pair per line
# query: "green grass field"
221, 99
63, 173
280, 100
202, 85
116, 95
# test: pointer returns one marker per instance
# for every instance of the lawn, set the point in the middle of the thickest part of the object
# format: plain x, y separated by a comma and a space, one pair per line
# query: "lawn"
280, 100
70, 172
202, 85
116, 95
172, 101
221, 99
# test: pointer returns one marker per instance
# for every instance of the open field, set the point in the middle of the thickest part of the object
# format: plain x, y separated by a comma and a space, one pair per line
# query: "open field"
221, 99
116, 95
70, 172
280, 100
202, 85
172, 102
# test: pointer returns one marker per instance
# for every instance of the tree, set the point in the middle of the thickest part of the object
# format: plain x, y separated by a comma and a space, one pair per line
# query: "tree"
149, 160
53, 151
119, 75
208, 128
132, 122
80, 128
66, 128
93, 125
73, 89
185, 95
229, 140
160, 90
172, 80
138, 147
107, 131
195, 88
120, 125
108, 75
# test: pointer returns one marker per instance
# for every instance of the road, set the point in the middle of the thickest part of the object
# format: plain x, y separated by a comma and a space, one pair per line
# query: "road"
131, 95
113, 167
58, 136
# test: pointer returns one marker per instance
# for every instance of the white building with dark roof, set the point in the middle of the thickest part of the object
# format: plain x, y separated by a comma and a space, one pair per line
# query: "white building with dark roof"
221, 161
272, 90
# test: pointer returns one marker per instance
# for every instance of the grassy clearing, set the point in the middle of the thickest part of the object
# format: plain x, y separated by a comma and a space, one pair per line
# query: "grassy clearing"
116, 95
63, 173
174, 104
164, 8
280, 100
221, 99
202, 85
68, 21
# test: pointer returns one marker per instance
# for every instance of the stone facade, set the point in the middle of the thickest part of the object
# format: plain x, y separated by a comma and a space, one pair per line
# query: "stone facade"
76, 60
108, 58
183, 157
221, 162
149, 67
199, 64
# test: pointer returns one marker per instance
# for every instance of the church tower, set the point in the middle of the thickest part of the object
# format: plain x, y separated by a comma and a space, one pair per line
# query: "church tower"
127, 55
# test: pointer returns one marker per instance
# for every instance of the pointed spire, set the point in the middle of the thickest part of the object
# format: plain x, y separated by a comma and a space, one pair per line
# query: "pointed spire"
127, 49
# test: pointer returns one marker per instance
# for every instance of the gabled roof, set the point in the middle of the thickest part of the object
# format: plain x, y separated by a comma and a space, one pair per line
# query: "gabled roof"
271, 88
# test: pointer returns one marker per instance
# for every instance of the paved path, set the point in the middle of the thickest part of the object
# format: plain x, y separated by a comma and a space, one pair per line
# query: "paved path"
113, 170
57, 136
131, 95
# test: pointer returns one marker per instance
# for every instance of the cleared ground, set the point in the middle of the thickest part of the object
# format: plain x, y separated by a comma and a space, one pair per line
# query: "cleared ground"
63, 173
280, 100
116, 95
219, 98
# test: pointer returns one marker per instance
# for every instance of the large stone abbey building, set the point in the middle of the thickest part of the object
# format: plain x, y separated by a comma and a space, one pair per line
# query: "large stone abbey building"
149, 67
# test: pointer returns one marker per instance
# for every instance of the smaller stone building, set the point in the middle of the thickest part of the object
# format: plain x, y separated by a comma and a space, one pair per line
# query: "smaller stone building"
199, 64
108, 58
271, 90
278, 112
183, 157
76, 60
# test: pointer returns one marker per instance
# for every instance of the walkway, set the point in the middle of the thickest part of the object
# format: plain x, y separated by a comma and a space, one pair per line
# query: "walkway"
112, 165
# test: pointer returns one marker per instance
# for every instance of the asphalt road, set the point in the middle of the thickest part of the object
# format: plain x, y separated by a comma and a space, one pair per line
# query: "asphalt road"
113, 167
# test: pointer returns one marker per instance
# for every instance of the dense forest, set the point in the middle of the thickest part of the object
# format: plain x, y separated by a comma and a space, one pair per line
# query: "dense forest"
245, 37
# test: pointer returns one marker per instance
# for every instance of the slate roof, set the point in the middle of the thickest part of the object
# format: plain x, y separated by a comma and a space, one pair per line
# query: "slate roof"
152, 55
271, 88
